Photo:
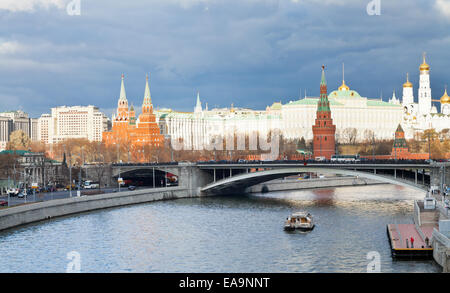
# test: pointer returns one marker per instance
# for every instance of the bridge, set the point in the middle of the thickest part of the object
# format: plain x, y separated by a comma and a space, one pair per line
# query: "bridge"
418, 176
210, 178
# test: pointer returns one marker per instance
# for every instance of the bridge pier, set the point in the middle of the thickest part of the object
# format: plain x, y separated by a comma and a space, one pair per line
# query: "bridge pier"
439, 175
194, 179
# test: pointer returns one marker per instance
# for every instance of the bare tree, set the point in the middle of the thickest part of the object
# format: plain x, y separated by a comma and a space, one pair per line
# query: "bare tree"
349, 135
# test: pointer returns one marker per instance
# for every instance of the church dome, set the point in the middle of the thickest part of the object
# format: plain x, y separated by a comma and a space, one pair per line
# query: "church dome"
445, 99
343, 87
407, 83
424, 65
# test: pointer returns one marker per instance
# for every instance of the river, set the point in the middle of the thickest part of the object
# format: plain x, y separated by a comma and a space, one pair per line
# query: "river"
239, 233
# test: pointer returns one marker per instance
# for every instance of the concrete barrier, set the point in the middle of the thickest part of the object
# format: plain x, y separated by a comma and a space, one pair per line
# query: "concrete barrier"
441, 250
280, 184
29, 213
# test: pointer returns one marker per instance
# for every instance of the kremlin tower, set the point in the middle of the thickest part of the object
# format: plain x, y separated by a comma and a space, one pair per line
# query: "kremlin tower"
323, 129
147, 130
126, 129
400, 148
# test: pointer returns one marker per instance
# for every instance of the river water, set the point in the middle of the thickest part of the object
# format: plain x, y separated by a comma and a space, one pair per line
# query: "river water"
240, 233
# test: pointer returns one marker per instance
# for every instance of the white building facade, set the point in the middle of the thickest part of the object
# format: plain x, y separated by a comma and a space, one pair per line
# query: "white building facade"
202, 128
72, 122
351, 113
16, 120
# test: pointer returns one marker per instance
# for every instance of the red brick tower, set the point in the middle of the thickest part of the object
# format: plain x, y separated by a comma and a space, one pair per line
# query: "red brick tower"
400, 148
147, 131
323, 129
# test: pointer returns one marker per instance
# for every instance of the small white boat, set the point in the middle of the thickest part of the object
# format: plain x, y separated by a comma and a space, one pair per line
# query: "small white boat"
302, 221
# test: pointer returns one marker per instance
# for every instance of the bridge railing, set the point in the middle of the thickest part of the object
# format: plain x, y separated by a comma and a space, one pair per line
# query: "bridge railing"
145, 164
356, 162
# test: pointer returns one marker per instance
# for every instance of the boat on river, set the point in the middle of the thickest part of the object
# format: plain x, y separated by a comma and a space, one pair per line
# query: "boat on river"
302, 221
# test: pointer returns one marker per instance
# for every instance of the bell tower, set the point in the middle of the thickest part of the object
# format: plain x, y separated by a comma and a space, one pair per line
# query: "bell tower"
424, 88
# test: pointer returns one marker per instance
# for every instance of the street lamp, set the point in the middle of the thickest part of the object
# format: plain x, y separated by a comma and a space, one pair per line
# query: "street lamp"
395, 149
70, 175
373, 146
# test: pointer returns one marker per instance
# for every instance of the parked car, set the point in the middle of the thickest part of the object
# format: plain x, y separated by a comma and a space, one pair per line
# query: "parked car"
67, 187
3, 203
22, 194
13, 191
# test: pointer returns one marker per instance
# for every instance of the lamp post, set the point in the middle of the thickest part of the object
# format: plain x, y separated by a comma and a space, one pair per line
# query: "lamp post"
118, 179
70, 176
395, 149
373, 146
82, 163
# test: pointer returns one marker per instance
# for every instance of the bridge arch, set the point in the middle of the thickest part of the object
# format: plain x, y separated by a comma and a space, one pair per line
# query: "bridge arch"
242, 181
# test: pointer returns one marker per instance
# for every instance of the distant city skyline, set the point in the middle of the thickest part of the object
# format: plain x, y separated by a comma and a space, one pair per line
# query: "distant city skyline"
249, 53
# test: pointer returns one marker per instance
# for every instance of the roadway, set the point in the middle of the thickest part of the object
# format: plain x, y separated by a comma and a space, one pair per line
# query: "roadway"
44, 196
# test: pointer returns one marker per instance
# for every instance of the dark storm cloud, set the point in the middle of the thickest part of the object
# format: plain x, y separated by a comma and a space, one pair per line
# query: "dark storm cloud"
249, 52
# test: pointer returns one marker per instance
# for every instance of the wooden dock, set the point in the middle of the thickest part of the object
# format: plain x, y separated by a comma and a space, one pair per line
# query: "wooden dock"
399, 238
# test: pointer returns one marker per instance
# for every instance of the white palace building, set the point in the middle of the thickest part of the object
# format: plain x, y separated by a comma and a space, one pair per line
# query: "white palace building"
371, 118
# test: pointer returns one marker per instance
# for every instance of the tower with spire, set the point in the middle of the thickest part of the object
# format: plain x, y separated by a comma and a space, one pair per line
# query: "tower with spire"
147, 132
324, 130
198, 106
126, 130
399, 147
393, 99
424, 88
122, 104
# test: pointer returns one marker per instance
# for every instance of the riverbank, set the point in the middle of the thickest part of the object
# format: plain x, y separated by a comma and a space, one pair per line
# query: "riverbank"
29, 213
294, 184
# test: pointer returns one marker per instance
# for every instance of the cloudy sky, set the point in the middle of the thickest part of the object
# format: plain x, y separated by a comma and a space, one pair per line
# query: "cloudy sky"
247, 52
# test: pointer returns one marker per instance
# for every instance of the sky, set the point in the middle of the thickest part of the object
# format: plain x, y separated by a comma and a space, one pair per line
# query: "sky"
247, 52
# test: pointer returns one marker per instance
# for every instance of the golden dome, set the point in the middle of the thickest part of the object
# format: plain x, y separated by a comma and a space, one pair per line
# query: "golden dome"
407, 83
445, 99
343, 87
424, 65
